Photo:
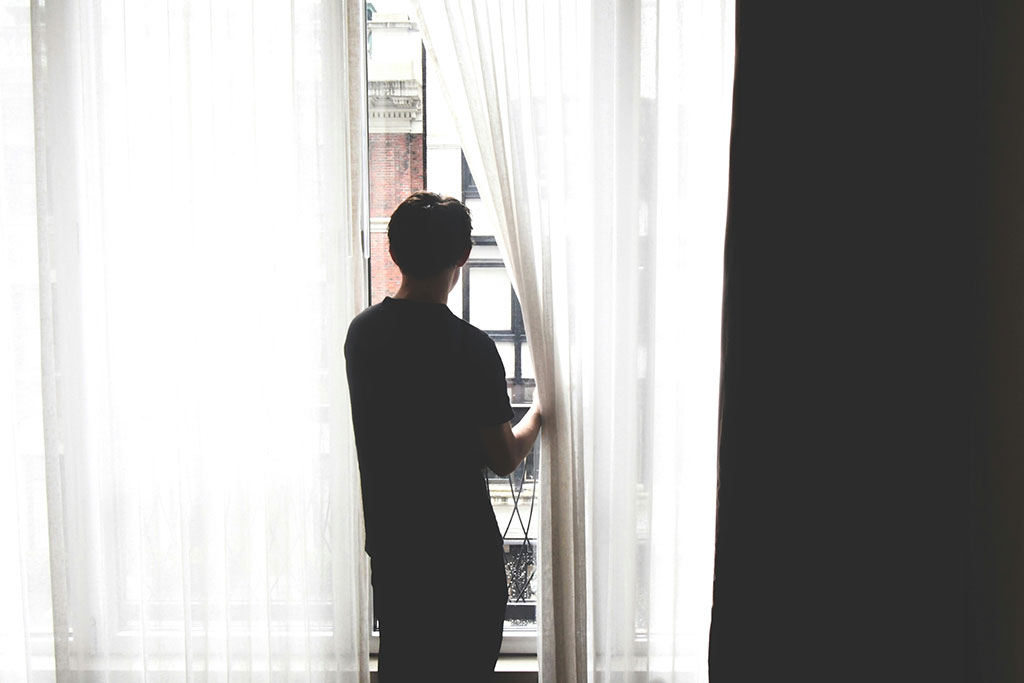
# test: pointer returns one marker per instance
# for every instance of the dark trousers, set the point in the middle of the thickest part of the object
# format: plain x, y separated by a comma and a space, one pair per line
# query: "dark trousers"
439, 624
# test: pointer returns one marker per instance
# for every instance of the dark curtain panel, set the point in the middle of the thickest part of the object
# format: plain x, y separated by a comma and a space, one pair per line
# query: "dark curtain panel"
870, 522
997, 494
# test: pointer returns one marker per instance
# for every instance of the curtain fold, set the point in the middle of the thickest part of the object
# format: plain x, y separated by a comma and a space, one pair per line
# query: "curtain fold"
598, 136
188, 501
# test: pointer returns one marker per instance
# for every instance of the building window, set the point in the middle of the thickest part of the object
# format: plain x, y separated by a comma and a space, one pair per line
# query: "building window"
469, 188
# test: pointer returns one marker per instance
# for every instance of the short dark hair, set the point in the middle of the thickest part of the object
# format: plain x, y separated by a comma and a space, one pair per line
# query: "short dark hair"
428, 233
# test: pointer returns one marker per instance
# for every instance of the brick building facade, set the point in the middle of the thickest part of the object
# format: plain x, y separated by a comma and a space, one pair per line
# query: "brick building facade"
396, 171
397, 163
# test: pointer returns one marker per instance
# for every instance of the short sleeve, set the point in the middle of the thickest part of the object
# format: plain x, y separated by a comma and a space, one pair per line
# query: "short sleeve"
489, 403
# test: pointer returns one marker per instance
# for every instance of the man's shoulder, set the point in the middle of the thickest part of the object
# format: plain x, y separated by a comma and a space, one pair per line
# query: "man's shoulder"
366, 323
472, 331
367, 314
375, 323
476, 339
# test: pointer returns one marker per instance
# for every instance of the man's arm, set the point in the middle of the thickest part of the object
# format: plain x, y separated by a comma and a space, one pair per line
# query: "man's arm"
505, 446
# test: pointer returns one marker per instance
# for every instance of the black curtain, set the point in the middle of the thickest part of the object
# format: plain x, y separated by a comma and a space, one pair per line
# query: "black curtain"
870, 524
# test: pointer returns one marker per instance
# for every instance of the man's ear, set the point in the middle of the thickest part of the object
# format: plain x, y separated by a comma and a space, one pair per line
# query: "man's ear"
465, 257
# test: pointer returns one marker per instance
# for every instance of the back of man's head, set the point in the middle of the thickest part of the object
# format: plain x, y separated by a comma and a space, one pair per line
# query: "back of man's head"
429, 233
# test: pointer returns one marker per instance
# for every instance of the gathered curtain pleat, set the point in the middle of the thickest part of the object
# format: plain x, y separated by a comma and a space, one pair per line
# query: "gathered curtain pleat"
180, 495
598, 134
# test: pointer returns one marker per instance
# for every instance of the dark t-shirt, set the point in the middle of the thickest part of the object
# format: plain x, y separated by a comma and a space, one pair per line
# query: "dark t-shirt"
421, 382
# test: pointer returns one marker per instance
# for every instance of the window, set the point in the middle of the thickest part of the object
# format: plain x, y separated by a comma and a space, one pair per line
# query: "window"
414, 145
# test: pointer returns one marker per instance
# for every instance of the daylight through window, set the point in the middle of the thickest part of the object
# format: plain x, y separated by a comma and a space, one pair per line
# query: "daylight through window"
414, 145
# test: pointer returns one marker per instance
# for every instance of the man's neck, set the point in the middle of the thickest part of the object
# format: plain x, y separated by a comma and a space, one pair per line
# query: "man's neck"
430, 291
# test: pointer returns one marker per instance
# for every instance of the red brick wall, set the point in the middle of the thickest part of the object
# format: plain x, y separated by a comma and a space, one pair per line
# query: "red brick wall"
396, 171
385, 278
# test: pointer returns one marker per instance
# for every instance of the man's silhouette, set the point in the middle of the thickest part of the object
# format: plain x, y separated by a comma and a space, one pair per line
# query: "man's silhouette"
431, 410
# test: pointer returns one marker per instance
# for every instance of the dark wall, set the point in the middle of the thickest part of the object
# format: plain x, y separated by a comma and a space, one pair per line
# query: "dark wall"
997, 503
869, 522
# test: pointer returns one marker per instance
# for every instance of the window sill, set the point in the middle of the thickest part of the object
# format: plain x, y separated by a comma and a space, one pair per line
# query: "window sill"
509, 669
514, 643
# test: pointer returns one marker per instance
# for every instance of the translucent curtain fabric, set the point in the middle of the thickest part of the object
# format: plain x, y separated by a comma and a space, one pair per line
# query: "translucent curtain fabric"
598, 133
25, 603
187, 501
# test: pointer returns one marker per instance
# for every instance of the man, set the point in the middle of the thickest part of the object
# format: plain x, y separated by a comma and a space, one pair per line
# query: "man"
430, 410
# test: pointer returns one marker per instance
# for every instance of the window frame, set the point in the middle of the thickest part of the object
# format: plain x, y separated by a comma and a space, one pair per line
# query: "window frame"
523, 640
514, 334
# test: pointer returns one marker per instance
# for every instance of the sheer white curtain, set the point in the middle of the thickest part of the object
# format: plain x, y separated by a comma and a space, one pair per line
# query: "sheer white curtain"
181, 186
598, 133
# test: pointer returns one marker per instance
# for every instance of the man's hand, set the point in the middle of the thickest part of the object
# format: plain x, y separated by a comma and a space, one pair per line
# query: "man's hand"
506, 446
